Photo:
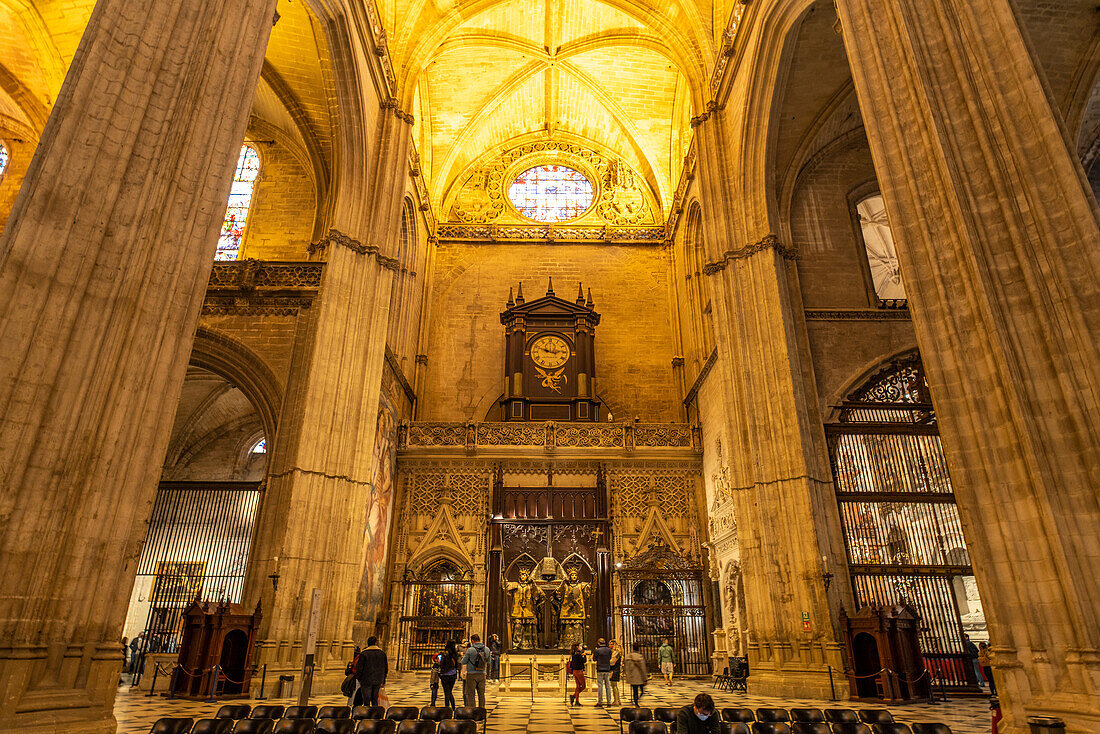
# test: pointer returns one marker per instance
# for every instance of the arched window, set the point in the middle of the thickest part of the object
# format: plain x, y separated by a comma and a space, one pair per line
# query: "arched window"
3, 159
240, 201
882, 256
260, 447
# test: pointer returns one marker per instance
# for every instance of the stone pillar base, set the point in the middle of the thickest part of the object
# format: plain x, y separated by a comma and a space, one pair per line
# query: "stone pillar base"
803, 671
59, 709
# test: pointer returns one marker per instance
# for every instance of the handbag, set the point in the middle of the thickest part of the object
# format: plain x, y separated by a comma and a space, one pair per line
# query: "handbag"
348, 686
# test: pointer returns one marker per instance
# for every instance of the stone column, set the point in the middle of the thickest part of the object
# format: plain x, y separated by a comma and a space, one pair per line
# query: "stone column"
104, 263
779, 474
1000, 250
324, 518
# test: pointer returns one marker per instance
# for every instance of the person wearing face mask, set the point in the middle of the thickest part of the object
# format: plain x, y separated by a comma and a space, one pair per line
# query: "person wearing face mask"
698, 718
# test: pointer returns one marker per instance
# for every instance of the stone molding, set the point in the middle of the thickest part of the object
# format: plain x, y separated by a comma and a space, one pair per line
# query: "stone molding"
701, 378
336, 237
393, 105
856, 314
687, 175
768, 242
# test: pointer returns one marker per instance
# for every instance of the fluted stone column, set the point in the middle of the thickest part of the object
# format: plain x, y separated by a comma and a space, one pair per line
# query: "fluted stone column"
321, 497
104, 263
1000, 251
778, 469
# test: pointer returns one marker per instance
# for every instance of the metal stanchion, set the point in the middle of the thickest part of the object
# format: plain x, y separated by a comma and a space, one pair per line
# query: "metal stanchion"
263, 680
153, 685
214, 683
832, 688
172, 682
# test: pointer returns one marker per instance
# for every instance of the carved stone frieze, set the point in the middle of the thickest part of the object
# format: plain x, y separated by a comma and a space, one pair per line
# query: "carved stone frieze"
260, 288
857, 314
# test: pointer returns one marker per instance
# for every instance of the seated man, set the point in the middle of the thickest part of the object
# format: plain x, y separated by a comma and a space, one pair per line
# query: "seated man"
699, 718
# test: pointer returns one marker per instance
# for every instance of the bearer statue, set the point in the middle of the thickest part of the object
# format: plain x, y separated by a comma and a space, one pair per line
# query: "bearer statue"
574, 595
523, 625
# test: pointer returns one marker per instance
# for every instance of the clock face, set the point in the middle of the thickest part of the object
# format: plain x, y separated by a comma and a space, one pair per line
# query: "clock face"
550, 352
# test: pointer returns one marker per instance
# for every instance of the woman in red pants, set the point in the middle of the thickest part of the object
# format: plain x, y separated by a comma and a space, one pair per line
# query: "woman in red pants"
577, 662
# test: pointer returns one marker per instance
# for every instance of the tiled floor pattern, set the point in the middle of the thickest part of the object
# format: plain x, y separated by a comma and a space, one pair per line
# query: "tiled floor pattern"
513, 714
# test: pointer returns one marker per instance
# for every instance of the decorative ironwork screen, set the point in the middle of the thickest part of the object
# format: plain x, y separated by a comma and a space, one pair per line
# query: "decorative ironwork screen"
199, 538
437, 608
662, 599
901, 525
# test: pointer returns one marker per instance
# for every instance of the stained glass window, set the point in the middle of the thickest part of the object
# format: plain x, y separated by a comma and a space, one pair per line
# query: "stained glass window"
240, 199
551, 193
260, 447
881, 253
3, 159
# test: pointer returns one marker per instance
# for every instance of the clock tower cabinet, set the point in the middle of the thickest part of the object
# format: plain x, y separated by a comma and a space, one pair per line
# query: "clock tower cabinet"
550, 358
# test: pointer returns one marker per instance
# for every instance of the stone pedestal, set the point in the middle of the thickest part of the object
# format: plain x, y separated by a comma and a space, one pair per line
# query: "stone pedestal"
1000, 252
105, 260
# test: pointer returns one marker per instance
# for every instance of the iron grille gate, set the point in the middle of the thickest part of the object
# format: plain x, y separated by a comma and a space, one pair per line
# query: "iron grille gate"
902, 530
662, 599
198, 542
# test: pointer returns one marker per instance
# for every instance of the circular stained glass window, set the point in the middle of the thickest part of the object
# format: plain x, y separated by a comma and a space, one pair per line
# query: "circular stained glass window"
551, 193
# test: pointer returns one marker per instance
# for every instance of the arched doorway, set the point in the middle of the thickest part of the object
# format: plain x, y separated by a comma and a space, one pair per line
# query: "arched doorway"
204, 513
902, 530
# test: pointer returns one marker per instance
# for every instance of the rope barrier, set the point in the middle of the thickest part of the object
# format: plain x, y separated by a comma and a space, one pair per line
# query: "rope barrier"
871, 675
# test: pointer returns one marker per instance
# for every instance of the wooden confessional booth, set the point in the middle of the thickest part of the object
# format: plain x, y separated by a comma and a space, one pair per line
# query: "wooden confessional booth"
884, 638
219, 634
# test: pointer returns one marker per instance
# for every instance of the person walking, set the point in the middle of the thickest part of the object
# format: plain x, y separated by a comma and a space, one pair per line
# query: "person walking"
636, 672
448, 673
602, 657
433, 678
577, 662
698, 718
985, 660
476, 660
665, 659
495, 648
616, 670
371, 670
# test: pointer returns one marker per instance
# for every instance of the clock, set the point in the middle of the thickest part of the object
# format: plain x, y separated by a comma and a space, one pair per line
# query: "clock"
550, 352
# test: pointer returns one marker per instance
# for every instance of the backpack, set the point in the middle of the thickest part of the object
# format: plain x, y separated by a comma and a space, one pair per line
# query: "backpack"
479, 659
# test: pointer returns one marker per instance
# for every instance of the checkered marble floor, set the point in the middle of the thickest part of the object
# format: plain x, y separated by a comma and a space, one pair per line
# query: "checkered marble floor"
513, 714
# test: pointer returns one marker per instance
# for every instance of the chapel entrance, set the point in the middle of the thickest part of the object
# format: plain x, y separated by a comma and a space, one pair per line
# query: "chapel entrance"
549, 566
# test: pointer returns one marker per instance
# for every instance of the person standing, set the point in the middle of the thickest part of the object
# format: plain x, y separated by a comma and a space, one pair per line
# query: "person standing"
986, 661
371, 670
577, 662
602, 657
971, 651
665, 659
495, 648
135, 655
616, 670
433, 679
476, 660
636, 672
698, 718
448, 673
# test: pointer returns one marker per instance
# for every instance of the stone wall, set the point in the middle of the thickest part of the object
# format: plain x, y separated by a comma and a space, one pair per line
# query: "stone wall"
634, 341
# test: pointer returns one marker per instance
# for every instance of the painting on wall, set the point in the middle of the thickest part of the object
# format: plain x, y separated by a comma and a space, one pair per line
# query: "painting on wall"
376, 533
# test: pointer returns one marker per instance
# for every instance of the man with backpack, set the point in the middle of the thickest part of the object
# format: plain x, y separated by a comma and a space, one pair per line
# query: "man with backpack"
476, 660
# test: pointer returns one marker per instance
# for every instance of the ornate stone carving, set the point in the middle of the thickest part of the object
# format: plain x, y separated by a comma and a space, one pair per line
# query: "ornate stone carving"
769, 242
551, 434
622, 200
337, 237
548, 233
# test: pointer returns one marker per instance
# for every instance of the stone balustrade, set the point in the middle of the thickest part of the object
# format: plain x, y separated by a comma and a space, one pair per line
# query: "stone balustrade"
550, 435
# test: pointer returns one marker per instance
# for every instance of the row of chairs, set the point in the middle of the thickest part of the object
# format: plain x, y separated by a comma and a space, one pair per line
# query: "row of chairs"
320, 726
783, 721
241, 719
